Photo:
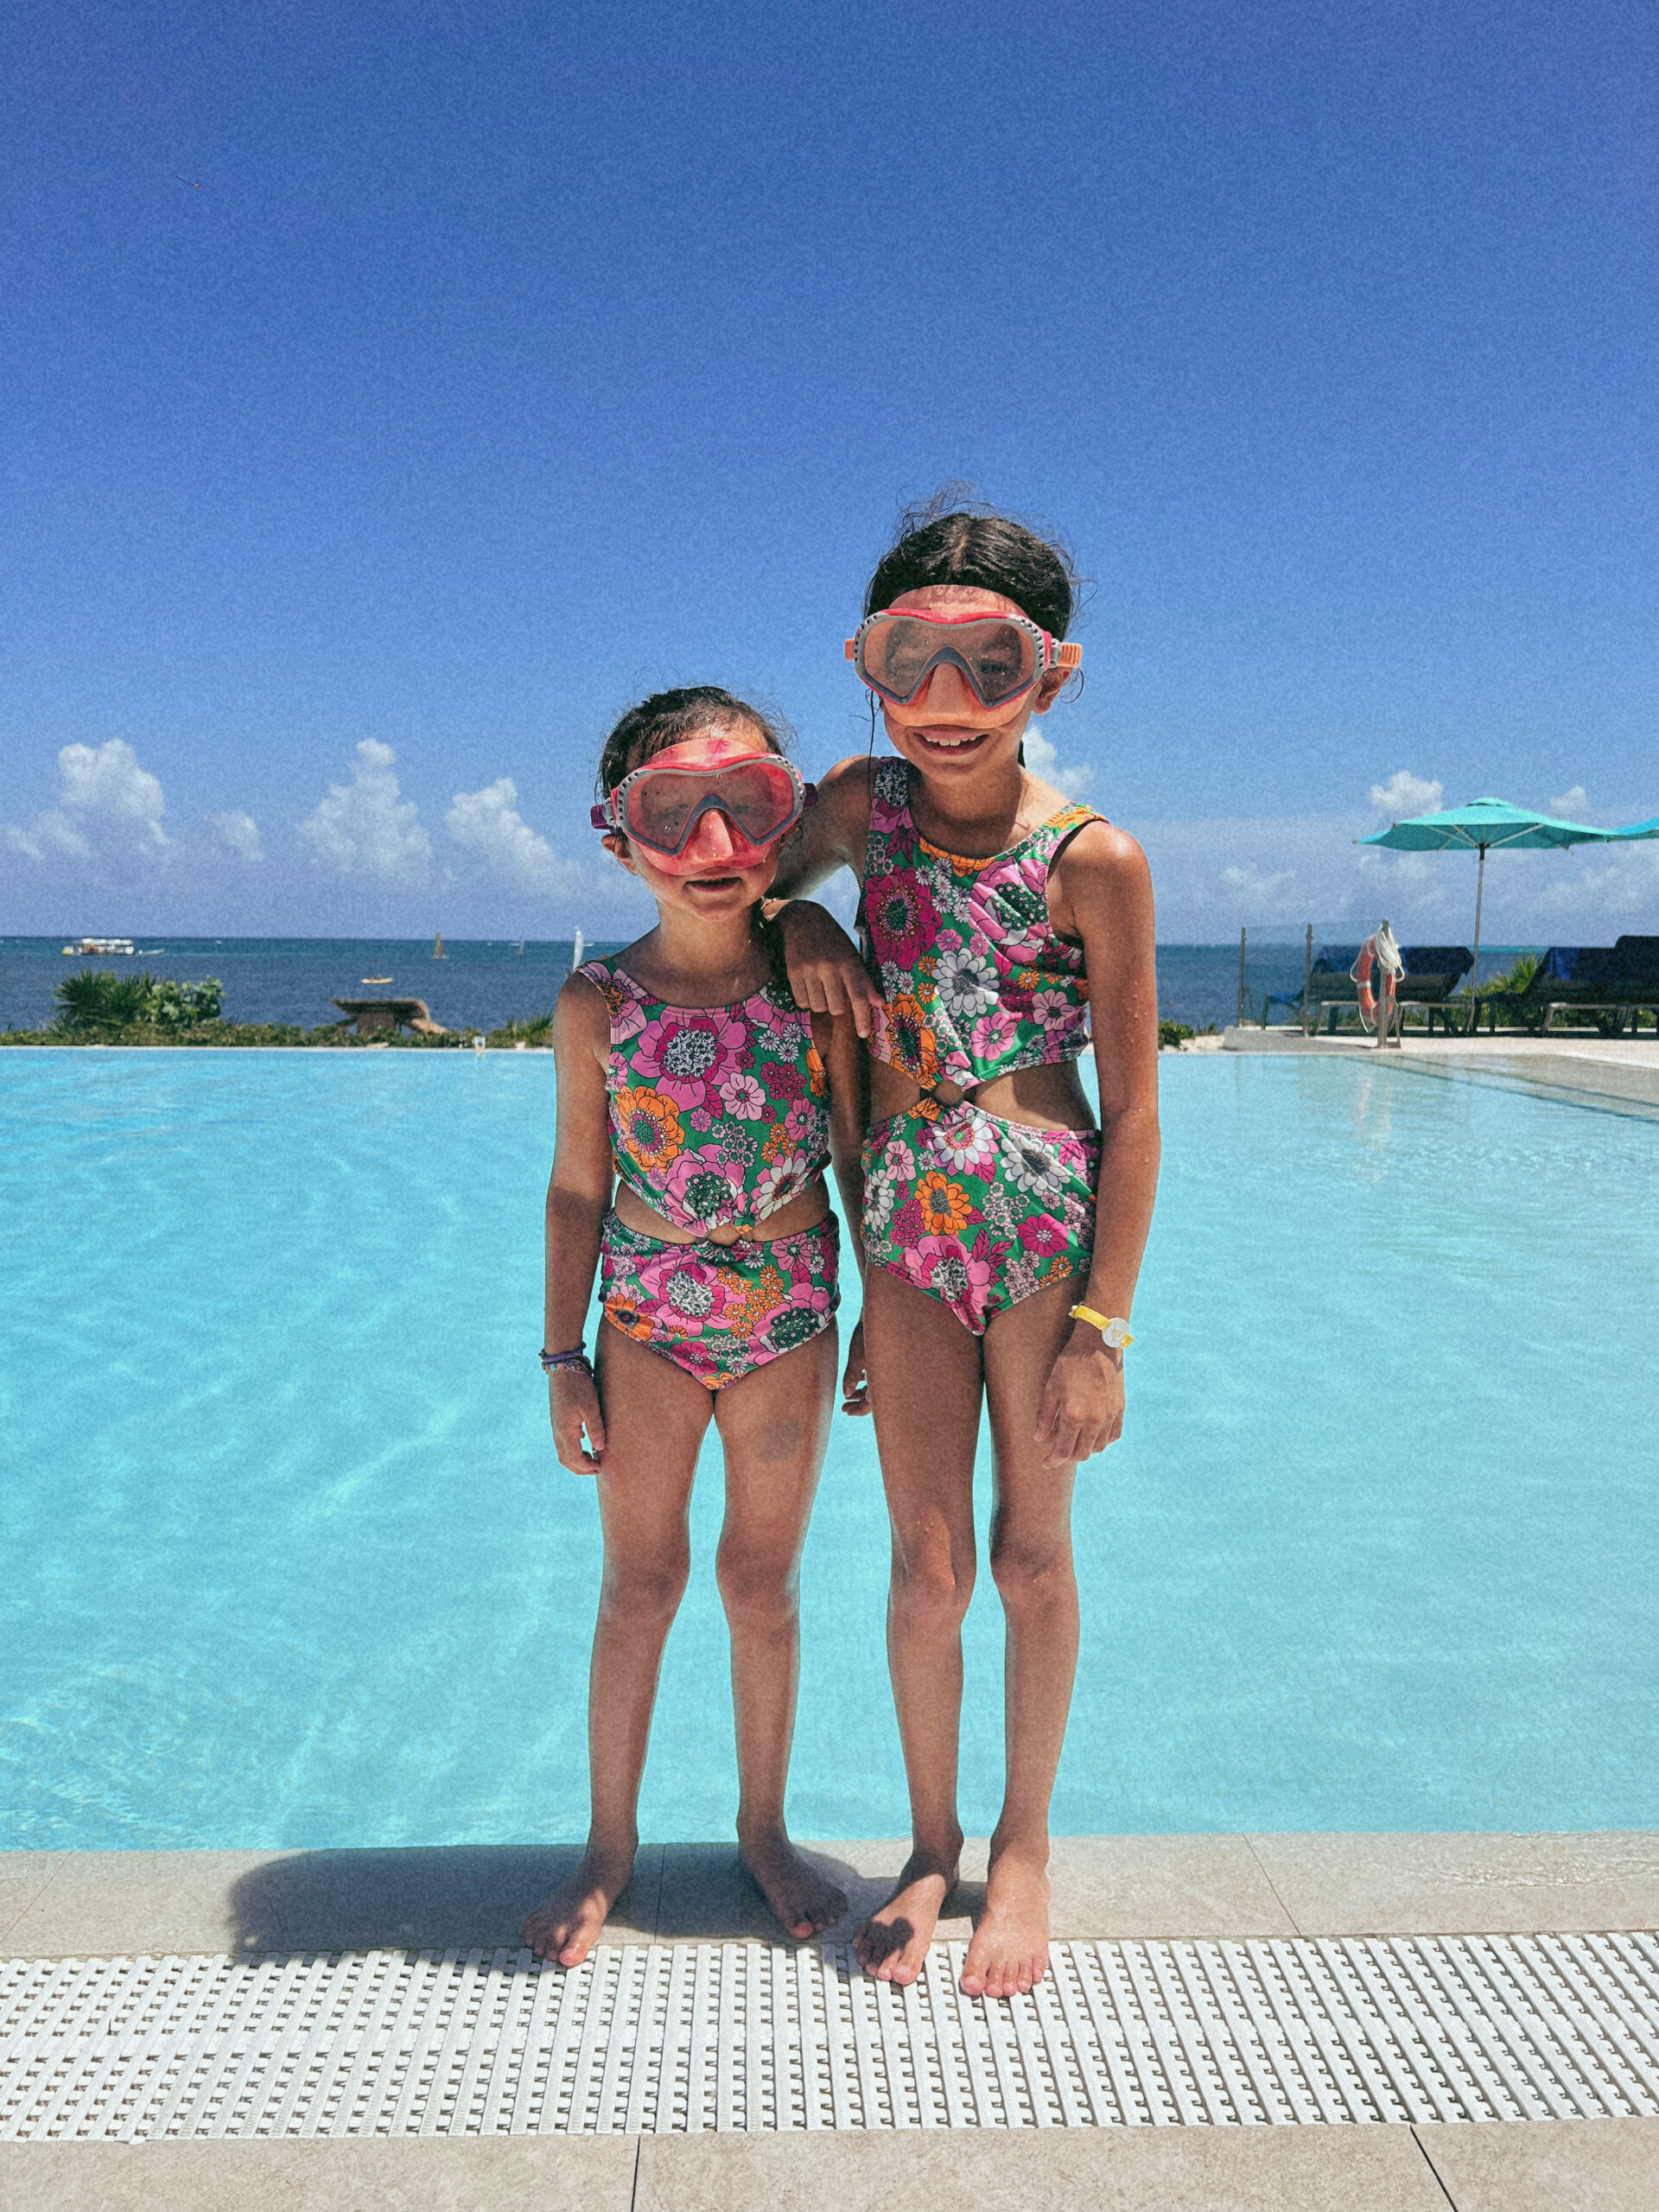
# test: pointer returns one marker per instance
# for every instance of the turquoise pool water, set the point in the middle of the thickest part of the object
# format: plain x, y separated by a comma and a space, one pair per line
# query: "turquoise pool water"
289, 1561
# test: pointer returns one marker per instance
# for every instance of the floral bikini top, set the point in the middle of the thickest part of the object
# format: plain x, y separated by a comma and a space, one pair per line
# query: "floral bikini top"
977, 983
719, 1113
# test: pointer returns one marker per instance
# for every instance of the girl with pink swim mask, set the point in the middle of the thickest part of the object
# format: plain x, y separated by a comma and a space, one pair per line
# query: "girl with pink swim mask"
1005, 929
698, 1107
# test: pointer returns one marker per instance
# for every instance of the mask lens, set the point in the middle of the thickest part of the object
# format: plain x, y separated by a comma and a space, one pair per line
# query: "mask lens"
756, 797
896, 653
1000, 658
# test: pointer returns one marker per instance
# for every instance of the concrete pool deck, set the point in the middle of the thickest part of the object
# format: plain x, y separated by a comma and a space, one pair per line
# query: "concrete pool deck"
64, 1905
1611, 1072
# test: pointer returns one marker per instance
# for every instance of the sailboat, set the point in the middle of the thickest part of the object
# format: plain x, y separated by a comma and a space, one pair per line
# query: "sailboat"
520, 947
438, 952
576, 951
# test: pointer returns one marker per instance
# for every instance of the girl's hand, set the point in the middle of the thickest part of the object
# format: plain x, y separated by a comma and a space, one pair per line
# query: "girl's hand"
573, 1402
1082, 1410
825, 972
855, 1378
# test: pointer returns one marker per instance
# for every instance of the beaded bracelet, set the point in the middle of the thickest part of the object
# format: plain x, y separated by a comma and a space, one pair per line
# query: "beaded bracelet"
553, 1361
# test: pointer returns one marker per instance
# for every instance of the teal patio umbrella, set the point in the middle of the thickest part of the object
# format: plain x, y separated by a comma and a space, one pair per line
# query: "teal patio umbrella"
1485, 824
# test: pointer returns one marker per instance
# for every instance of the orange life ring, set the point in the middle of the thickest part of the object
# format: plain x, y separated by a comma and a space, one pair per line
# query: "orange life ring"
1361, 972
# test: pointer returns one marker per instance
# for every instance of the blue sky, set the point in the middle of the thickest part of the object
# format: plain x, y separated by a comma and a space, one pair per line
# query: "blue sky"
393, 392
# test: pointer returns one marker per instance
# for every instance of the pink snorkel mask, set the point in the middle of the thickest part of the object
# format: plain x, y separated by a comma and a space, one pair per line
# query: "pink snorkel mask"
1001, 656
659, 805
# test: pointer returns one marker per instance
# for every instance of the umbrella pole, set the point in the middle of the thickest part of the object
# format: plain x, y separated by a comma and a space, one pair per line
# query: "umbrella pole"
1474, 972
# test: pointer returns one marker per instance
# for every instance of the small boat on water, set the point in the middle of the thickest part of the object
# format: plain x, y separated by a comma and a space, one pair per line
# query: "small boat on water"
374, 979
120, 947
576, 951
519, 948
438, 952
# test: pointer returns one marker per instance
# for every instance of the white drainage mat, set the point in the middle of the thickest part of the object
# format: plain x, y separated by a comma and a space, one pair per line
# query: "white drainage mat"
674, 2038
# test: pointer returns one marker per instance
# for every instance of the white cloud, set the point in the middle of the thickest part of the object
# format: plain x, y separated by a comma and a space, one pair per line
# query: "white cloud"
364, 828
1571, 806
1255, 890
238, 833
1404, 794
1617, 882
488, 822
109, 809
1043, 759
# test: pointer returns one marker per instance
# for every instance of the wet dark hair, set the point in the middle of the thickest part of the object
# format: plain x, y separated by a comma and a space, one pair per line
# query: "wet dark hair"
668, 718
954, 538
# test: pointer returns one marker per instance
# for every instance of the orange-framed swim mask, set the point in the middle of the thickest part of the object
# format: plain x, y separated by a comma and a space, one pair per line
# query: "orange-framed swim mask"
660, 804
1001, 656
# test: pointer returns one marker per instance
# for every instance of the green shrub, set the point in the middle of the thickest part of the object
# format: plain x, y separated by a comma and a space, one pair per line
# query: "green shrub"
97, 1002
1172, 1035
537, 1030
1513, 980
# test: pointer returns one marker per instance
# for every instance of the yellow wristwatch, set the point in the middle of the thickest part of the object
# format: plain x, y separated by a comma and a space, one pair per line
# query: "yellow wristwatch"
1114, 1330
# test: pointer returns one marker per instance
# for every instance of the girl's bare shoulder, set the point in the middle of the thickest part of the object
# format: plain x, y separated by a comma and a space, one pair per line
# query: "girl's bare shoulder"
581, 1016
1102, 873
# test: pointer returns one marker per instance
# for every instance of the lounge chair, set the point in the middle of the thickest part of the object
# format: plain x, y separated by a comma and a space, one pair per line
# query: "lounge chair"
1433, 972
1606, 982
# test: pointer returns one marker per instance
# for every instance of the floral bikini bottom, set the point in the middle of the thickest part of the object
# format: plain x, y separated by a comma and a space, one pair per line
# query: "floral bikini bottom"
977, 1212
720, 1311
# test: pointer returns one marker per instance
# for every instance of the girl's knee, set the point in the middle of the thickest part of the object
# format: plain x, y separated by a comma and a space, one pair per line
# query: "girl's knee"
757, 1589
930, 1590
645, 1592
1033, 1574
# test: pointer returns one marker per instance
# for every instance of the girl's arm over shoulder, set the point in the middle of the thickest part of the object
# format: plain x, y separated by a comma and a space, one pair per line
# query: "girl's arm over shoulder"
834, 831
825, 972
578, 1193
1102, 899
847, 1066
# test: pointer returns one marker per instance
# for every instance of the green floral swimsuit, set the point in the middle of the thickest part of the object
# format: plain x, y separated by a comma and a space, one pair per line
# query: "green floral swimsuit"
976, 1210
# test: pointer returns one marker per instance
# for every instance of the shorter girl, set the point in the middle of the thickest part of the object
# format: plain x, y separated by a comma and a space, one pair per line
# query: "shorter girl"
690, 1085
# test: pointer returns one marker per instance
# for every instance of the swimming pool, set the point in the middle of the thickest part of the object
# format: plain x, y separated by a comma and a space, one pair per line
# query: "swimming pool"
289, 1561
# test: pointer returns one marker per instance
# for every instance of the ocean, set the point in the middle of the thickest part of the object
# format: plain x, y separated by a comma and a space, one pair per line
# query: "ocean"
482, 983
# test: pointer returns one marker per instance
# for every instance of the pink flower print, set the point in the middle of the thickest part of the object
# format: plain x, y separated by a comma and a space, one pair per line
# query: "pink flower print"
968, 1145
945, 1266
1041, 1233
908, 1227
800, 1317
782, 1080
802, 1118
742, 1096
703, 1189
994, 1035
902, 917
681, 1292
1055, 1012
701, 1120
781, 1180
889, 802
1010, 902
686, 1053
624, 1001
773, 1017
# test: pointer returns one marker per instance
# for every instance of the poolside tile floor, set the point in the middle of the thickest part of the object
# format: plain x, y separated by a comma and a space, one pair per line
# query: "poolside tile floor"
1148, 1893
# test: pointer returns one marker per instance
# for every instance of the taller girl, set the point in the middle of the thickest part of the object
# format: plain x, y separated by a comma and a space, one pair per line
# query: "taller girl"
1003, 1227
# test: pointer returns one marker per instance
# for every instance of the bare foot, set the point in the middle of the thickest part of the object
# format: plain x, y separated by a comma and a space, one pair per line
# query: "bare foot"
804, 1903
1009, 1951
893, 1943
565, 1927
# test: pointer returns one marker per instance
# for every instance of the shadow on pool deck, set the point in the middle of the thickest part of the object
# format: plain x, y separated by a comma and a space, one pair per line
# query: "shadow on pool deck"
475, 1896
